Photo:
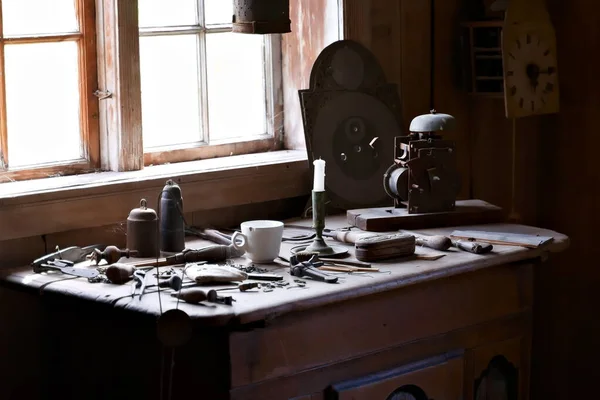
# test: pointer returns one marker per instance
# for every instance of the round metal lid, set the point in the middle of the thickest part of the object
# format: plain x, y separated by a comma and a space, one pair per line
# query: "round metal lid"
432, 122
143, 213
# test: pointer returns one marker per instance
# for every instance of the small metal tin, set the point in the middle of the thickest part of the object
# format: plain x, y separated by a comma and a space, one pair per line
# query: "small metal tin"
142, 231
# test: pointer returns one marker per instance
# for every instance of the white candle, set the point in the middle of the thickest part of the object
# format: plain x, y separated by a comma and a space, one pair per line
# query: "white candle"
319, 178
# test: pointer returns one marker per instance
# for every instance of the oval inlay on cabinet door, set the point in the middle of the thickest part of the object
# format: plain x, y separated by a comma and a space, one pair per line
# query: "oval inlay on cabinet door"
498, 382
408, 392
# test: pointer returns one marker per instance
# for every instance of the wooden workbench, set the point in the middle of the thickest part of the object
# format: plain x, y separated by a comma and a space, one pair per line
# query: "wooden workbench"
436, 325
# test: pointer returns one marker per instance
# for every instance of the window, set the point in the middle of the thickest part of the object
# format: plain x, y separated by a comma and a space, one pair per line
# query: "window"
205, 91
200, 83
48, 111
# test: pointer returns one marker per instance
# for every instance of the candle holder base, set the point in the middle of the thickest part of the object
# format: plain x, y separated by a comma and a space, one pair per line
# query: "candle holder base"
327, 251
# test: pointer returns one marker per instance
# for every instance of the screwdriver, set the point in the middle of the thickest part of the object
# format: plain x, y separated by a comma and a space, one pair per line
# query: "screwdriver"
243, 287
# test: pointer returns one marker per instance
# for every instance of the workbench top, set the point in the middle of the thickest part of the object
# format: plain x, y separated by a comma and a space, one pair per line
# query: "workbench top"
256, 305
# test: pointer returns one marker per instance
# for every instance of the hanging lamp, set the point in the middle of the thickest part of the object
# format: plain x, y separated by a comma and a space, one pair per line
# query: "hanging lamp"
261, 16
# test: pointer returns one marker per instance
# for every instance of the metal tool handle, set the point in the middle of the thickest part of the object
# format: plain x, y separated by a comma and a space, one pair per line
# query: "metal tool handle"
472, 247
318, 275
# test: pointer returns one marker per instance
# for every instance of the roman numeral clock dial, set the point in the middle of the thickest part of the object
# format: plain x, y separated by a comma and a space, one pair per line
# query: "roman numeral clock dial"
529, 60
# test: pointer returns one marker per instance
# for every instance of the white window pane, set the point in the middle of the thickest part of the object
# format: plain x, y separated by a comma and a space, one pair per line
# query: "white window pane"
170, 90
236, 92
22, 17
218, 11
153, 13
42, 102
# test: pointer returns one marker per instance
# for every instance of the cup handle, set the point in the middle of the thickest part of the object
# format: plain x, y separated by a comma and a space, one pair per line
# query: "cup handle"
243, 246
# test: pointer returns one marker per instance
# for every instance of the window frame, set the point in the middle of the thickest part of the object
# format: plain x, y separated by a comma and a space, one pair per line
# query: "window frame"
88, 107
272, 139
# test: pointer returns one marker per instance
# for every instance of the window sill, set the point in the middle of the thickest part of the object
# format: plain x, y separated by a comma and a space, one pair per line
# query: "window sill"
60, 204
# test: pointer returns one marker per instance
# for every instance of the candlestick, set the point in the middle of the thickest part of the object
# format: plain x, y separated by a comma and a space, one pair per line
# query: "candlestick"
319, 176
318, 211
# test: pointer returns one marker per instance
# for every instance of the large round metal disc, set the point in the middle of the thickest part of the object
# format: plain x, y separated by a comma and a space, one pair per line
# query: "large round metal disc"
354, 133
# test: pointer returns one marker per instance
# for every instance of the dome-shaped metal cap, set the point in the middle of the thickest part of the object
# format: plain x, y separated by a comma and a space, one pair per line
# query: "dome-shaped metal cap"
143, 213
432, 122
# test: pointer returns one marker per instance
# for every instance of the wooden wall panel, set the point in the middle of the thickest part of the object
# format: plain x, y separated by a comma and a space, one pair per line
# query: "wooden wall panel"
566, 345
314, 26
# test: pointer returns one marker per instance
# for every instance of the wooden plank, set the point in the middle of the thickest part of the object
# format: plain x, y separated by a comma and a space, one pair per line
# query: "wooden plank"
49, 213
416, 59
3, 124
389, 219
120, 114
449, 95
320, 378
357, 21
50, 38
173, 155
492, 293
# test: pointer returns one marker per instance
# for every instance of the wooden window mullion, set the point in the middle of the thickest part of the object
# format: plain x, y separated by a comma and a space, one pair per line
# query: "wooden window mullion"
120, 113
88, 81
3, 125
203, 79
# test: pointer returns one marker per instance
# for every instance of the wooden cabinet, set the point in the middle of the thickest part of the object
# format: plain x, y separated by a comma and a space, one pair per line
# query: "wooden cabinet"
460, 338
499, 371
438, 378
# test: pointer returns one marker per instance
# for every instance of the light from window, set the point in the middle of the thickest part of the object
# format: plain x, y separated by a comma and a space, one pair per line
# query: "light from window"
201, 84
42, 89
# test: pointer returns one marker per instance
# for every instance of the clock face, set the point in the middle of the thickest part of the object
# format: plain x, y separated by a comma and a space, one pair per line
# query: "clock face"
530, 74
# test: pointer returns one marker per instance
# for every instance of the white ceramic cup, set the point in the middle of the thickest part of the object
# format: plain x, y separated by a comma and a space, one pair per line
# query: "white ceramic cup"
260, 239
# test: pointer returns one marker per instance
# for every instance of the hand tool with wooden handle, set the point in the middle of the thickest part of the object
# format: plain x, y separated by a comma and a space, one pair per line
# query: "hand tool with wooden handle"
119, 273
212, 254
242, 287
443, 243
111, 254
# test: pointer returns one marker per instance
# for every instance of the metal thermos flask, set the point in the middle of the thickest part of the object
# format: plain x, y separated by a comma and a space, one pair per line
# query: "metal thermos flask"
142, 231
172, 226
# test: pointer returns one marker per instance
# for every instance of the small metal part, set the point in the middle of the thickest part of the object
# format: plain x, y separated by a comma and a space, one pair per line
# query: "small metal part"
309, 269
138, 277
102, 94
265, 277
213, 297
144, 285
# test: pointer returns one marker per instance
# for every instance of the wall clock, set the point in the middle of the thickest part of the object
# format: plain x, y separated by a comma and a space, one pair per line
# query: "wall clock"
529, 60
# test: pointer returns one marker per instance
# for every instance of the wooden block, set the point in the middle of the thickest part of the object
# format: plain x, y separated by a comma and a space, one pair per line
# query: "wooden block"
386, 219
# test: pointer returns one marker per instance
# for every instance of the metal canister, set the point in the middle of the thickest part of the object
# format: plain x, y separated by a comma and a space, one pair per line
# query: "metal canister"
172, 225
142, 231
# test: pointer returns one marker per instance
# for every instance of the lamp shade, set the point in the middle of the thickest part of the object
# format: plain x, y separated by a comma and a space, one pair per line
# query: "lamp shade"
261, 16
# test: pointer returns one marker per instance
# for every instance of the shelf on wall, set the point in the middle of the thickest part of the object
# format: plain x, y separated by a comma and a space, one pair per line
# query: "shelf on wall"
483, 57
